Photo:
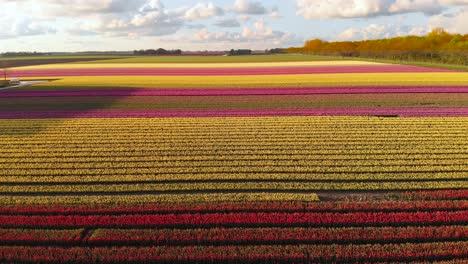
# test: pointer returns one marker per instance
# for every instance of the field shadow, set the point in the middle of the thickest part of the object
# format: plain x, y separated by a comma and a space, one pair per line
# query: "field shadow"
28, 112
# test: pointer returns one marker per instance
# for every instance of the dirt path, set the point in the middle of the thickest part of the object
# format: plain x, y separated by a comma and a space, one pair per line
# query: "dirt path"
22, 84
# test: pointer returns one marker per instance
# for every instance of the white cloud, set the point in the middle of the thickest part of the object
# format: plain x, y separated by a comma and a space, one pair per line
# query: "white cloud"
151, 19
454, 2
312, 9
453, 22
260, 31
408, 6
205, 36
259, 36
86, 7
244, 18
249, 7
201, 11
15, 26
275, 14
228, 22
375, 31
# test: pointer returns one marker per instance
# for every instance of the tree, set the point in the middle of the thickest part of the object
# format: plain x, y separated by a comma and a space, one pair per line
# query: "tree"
438, 46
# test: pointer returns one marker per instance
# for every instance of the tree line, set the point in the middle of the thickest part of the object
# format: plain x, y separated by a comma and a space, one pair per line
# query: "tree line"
437, 46
22, 54
157, 52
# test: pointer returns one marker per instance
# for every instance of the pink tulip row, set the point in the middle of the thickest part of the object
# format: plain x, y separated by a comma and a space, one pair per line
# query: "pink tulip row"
238, 91
220, 71
361, 111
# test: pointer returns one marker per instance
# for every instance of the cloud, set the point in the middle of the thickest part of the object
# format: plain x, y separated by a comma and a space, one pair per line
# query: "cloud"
275, 14
202, 11
86, 7
259, 35
376, 31
260, 31
454, 22
151, 19
249, 7
312, 9
14, 27
228, 22
454, 2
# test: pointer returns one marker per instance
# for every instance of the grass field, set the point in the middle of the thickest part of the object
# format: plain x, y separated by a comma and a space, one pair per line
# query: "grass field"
318, 166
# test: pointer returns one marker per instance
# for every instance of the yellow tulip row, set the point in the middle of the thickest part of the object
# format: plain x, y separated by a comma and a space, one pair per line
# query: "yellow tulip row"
131, 169
162, 198
159, 158
309, 138
135, 149
95, 65
162, 165
235, 176
246, 81
109, 177
280, 154
157, 125
242, 186
293, 134
241, 141
239, 127
220, 121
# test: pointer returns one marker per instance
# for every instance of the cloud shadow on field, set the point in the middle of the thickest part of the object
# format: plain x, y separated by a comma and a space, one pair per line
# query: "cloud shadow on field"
20, 107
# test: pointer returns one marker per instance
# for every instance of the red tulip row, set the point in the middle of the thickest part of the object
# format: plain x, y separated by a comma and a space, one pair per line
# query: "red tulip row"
221, 236
245, 254
436, 195
388, 206
224, 236
40, 235
237, 219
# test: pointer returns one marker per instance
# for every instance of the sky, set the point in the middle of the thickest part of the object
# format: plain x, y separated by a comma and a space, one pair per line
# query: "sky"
123, 25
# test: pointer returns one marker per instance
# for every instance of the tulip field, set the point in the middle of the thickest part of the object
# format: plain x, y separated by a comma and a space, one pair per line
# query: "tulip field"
147, 160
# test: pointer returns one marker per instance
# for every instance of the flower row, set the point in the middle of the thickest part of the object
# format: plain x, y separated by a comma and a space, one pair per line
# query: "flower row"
300, 80
161, 198
40, 235
278, 235
245, 254
148, 154
237, 133
170, 177
253, 206
436, 195
239, 91
130, 169
156, 162
343, 122
220, 236
228, 187
238, 219
350, 148
217, 71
